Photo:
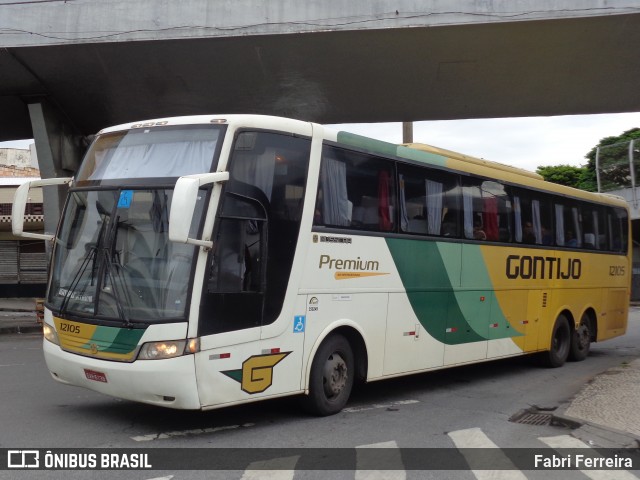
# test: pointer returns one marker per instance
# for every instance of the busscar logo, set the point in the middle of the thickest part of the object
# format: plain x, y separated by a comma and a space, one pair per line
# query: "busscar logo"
23, 459
256, 374
328, 239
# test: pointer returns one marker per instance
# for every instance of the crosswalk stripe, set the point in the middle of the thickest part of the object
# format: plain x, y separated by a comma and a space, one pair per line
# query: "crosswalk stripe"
261, 470
475, 438
393, 457
567, 441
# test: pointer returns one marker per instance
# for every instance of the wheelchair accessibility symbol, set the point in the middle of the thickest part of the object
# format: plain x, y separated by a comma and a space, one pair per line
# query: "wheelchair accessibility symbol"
299, 323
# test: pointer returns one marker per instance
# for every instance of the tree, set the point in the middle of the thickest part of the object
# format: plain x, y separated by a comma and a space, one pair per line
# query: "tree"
614, 165
568, 175
614, 161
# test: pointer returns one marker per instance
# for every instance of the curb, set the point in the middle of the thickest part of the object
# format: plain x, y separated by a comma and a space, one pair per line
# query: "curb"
21, 329
617, 438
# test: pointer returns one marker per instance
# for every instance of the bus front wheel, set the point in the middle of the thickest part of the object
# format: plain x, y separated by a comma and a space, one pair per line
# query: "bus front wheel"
331, 379
560, 344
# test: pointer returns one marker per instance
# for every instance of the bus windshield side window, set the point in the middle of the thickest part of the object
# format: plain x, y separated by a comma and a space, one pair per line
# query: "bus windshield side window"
355, 190
256, 232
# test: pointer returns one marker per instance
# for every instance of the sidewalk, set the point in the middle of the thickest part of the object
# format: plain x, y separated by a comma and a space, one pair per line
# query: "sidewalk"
18, 315
606, 410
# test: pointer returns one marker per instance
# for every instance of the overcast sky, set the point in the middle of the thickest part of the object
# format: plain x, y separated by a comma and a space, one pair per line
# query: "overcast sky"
522, 142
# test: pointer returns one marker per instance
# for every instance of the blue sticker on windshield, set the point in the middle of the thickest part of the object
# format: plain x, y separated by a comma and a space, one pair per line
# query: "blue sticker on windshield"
125, 198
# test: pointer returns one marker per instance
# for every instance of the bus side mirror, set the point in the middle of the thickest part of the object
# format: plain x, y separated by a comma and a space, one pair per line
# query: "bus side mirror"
183, 204
20, 204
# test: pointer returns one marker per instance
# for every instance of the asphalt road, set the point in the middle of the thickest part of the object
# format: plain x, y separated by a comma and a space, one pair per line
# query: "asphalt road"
429, 410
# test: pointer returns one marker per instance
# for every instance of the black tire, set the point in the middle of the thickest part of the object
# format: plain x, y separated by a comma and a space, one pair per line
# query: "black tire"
581, 340
331, 379
560, 344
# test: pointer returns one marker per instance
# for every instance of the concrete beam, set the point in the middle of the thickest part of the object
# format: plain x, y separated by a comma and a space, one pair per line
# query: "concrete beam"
64, 22
59, 151
108, 62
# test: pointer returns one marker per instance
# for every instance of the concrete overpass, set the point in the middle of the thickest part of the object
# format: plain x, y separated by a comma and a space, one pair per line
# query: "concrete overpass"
70, 67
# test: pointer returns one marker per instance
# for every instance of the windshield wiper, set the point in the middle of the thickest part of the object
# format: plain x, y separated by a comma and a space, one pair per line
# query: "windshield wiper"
109, 253
91, 255
109, 264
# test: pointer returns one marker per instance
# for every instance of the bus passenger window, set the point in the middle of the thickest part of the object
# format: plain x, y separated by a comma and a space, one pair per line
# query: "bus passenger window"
590, 226
429, 201
487, 211
568, 226
533, 218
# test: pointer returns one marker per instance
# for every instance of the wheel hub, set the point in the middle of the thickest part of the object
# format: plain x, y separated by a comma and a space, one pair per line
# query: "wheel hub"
583, 336
335, 375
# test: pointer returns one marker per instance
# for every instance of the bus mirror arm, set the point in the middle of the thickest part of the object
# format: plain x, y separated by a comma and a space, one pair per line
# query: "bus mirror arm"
183, 204
20, 199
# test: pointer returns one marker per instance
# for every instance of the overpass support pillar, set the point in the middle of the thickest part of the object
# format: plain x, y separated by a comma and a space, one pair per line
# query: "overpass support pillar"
60, 149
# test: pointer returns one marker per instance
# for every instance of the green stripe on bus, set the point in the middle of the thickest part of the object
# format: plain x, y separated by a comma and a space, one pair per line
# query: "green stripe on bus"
421, 156
370, 144
449, 314
120, 340
391, 149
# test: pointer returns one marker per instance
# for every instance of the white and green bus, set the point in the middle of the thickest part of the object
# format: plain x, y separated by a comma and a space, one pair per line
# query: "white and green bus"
209, 261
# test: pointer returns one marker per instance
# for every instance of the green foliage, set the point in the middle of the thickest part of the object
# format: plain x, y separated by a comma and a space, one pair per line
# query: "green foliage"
614, 165
563, 174
613, 160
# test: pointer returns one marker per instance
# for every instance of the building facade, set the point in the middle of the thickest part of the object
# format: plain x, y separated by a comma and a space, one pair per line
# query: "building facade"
23, 262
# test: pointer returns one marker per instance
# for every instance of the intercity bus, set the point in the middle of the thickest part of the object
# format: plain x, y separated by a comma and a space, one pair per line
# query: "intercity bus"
208, 261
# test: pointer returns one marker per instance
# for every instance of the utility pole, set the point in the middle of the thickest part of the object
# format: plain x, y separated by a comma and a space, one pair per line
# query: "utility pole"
407, 132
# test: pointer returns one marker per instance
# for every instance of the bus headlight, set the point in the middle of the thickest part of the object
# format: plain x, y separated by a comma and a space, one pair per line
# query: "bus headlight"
160, 350
50, 333
168, 349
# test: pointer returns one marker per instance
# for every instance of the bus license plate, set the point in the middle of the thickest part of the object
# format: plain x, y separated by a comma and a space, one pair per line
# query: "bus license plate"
95, 376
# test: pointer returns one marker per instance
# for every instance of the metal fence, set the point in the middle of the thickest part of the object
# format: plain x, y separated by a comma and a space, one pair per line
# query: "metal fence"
616, 166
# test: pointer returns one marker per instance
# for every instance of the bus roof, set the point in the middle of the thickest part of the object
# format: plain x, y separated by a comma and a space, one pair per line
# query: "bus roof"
464, 163
414, 151
477, 161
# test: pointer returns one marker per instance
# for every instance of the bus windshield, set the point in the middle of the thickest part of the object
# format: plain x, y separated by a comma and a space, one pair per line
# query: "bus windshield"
113, 258
161, 152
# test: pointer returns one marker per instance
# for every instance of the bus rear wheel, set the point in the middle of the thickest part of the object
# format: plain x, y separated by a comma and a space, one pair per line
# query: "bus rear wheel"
331, 379
560, 344
581, 340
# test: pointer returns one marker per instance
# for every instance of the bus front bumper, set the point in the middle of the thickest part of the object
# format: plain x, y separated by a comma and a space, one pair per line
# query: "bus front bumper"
169, 383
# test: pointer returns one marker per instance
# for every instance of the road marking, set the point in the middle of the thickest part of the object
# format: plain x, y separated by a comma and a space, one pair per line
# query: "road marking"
475, 438
394, 459
168, 477
379, 405
567, 441
13, 365
182, 433
282, 468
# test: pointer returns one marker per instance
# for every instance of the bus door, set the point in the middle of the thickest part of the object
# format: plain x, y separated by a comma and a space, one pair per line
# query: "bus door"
232, 301
246, 349
246, 325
